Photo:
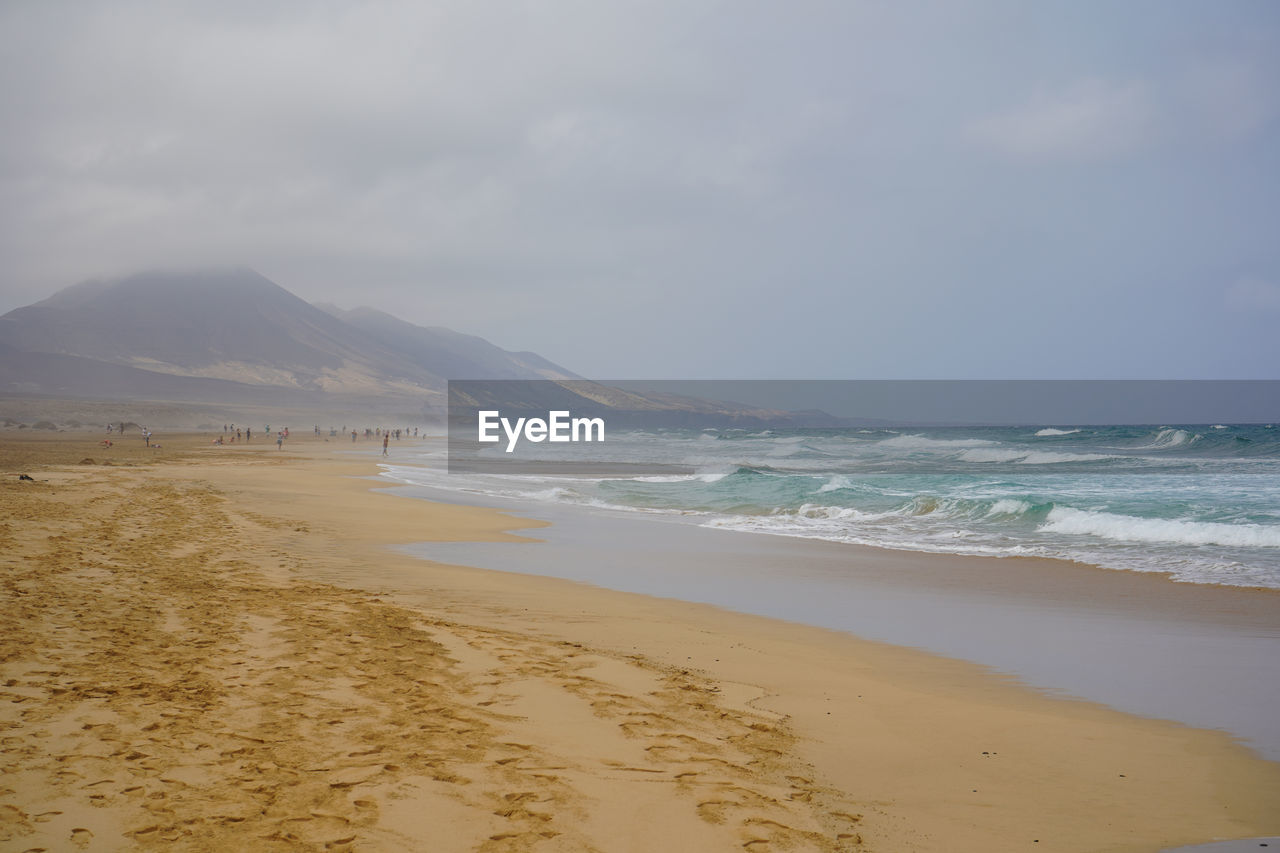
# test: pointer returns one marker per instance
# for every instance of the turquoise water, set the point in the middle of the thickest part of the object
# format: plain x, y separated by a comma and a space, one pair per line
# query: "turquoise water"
1201, 502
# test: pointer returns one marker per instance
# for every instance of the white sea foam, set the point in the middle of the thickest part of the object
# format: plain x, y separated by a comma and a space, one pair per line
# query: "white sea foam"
837, 481
1028, 457
819, 511
1009, 506
1128, 528
1052, 431
555, 493
1170, 437
838, 530
930, 505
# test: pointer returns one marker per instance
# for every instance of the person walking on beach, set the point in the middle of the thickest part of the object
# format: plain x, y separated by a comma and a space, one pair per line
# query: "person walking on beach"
386, 437
279, 441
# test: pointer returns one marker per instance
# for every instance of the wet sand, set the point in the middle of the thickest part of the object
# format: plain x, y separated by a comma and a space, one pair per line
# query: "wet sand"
214, 648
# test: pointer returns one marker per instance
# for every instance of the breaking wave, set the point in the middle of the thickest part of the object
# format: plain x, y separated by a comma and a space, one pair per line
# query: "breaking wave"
1128, 528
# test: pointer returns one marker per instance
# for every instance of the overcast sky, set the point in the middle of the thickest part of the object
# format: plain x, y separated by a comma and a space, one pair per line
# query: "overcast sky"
680, 189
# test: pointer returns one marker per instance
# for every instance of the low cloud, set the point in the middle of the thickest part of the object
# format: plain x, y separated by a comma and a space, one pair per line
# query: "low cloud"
1229, 99
777, 190
1087, 121
1253, 294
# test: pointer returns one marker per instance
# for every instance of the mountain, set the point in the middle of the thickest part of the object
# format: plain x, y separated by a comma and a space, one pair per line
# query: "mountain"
234, 335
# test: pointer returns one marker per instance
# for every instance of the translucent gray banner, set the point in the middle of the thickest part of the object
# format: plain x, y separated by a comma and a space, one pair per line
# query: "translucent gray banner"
543, 426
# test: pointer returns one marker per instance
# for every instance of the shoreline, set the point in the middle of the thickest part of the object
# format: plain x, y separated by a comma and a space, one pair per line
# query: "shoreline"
1139, 498
1204, 655
523, 504
895, 735
881, 554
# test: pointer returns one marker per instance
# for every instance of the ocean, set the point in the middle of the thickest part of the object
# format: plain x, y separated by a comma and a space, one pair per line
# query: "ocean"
1201, 502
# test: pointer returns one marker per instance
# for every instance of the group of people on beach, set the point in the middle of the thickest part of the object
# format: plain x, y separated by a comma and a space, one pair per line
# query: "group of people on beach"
385, 434
381, 432
231, 434
146, 434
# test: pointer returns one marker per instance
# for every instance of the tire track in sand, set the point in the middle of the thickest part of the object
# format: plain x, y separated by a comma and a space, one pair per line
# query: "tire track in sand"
166, 680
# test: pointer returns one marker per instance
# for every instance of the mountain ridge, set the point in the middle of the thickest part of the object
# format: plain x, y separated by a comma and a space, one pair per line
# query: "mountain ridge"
450, 352
236, 327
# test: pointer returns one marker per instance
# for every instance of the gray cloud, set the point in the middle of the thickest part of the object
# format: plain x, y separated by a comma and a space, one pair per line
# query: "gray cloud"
1253, 294
1091, 119
683, 189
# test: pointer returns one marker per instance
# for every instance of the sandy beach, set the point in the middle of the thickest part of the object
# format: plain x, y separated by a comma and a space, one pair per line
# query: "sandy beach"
215, 648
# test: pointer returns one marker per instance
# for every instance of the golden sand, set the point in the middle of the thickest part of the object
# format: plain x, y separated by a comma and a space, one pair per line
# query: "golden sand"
212, 649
